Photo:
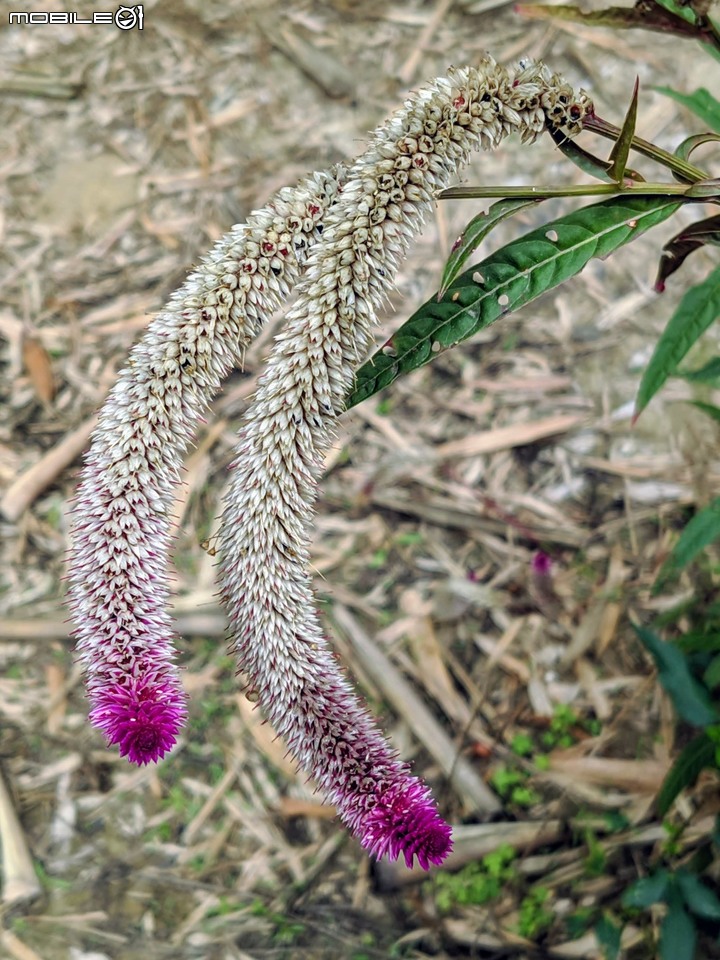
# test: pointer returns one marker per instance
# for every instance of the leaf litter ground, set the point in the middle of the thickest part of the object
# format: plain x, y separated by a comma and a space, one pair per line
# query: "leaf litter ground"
133, 153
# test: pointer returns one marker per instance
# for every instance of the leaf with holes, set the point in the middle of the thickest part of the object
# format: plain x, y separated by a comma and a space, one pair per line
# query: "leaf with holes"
475, 232
508, 279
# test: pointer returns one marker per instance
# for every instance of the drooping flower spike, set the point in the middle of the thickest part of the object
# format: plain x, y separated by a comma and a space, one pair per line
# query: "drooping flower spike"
264, 536
121, 540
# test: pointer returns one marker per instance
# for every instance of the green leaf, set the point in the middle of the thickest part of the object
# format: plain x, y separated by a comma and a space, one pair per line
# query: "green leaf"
708, 188
690, 698
699, 307
609, 937
708, 373
702, 103
647, 890
677, 250
475, 232
695, 757
686, 148
700, 532
709, 408
711, 674
621, 148
586, 161
507, 280
678, 936
699, 899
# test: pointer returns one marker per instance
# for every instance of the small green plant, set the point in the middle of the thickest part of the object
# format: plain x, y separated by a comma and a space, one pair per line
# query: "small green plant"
522, 744
511, 785
560, 732
535, 917
477, 883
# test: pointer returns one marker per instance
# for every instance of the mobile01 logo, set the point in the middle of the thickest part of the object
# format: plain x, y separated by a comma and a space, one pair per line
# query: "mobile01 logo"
125, 18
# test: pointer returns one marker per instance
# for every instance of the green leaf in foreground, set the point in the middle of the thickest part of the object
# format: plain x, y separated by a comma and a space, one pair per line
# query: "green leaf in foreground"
708, 373
702, 103
700, 532
507, 280
690, 698
696, 311
678, 935
647, 890
708, 408
475, 232
609, 935
699, 898
694, 758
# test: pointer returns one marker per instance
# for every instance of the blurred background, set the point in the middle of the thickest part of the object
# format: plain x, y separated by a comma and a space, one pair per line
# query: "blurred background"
487, 526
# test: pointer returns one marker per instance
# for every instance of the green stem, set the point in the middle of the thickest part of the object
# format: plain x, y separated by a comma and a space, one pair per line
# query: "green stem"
585, 190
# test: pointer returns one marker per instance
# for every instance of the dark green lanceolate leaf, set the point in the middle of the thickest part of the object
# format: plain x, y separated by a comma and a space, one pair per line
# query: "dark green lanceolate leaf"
702, 103
708, 373
475, 232
647, 891
708, 408
609, 936
699, 899
689, 697
678, 936
700, 532
677, 250
699, 307
507, 280
695, 757
621, 148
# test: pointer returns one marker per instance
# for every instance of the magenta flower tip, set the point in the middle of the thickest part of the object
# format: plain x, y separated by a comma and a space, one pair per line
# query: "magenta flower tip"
541, 564
408, 824
144, 721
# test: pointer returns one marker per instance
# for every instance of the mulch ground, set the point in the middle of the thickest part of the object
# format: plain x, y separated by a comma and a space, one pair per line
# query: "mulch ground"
125, 155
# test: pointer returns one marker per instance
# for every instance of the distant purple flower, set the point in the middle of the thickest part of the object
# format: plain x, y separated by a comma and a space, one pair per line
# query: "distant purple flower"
541, 564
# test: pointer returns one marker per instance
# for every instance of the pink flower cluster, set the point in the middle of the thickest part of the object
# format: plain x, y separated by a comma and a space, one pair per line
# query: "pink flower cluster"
338, 238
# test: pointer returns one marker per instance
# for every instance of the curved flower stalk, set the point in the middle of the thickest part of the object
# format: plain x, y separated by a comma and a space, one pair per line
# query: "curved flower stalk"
121, 540
264, 539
